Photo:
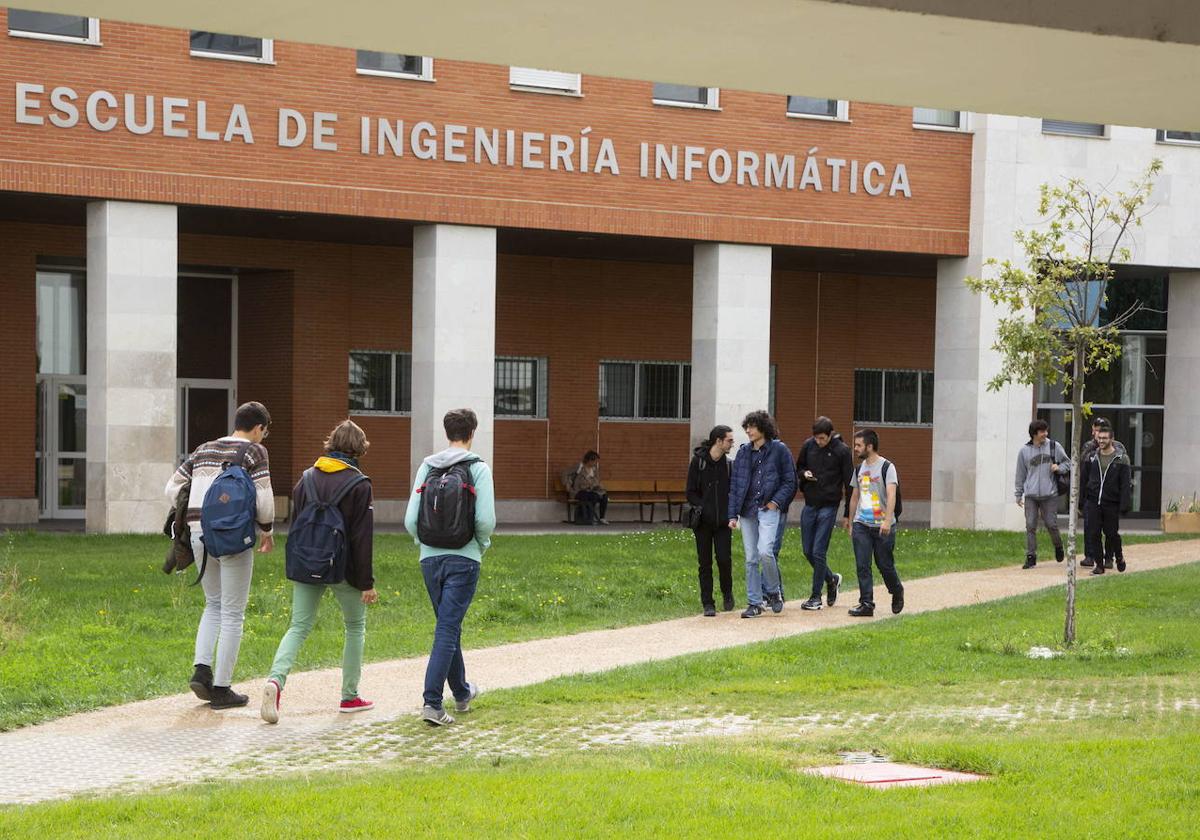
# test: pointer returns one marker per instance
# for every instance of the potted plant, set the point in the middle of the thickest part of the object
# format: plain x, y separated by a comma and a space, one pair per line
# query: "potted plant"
1182, 516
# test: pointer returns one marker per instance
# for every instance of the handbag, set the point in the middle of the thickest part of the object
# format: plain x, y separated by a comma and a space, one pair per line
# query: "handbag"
1062, 481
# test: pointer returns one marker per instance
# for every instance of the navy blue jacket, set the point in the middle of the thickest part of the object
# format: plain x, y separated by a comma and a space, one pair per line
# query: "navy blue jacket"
774, 481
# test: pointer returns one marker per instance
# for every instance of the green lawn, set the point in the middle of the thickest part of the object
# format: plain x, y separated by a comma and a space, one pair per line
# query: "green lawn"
90, 621
1098, 743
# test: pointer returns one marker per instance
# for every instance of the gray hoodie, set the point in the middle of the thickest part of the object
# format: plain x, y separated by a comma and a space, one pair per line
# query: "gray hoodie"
1034, 477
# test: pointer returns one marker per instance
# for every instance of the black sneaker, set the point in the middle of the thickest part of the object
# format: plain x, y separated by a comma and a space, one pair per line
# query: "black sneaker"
775, 602
898, 602
1098, 569
863, 611
224, 697
1108, 564
1120, 564
1087, 561
727, 604
752, 611
1060, 553
1030, 562
201, 682
812, 604
831, 589
710, 611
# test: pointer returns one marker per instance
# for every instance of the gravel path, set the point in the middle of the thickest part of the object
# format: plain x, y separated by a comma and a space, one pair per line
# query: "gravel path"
173, 740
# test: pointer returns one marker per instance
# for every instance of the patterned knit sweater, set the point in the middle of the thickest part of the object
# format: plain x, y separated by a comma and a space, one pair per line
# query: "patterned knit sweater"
204, 465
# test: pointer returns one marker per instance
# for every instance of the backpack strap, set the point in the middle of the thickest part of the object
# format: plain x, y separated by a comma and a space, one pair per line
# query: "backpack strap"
346, 488
240, 458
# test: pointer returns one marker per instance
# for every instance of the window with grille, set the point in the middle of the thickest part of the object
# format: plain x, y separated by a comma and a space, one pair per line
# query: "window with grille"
380, 382
646, 390
937, 118
520, 387
893, 397
1077, 129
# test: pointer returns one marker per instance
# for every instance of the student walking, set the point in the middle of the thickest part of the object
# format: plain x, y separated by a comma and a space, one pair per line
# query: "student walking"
1038, 463
451, 515
333, 482
1089, 449
763, 480
1107, 479
824, 468
874, 506
708, 496
244, 499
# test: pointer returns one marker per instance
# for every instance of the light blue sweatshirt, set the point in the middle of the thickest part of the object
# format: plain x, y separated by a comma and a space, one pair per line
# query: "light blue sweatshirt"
485, 504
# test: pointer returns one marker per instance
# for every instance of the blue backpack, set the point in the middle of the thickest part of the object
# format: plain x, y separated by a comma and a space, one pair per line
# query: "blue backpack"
316, 544
227, 516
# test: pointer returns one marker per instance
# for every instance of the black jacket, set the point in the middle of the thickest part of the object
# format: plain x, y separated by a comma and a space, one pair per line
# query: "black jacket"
359, 515
708, 487
1113, 486
833, 469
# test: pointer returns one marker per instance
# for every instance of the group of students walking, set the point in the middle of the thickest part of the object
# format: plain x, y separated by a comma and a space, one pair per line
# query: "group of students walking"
225, 486
1105, 493
753, 493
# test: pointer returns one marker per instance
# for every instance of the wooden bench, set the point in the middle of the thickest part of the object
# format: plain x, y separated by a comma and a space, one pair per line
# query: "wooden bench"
674, 491
641, 492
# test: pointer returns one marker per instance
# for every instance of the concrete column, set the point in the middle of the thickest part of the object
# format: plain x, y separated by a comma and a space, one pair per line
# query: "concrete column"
1181, 418
453, 333
132, 261
731, 335
976, 433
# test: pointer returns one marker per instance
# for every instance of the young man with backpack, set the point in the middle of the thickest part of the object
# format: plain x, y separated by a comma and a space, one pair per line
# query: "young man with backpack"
329, 547
229, 504
451, 516
824, 468
874, 506
1040, 463
708, 500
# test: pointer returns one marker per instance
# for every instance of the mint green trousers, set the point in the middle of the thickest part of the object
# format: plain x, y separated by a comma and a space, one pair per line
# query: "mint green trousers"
306, 598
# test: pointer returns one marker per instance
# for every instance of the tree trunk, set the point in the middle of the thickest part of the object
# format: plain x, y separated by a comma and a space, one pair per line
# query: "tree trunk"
1076, 425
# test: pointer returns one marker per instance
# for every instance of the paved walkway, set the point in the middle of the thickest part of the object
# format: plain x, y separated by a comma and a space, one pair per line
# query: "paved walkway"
172, 740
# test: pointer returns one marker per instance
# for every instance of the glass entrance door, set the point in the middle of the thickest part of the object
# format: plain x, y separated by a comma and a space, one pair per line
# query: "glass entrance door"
62, 446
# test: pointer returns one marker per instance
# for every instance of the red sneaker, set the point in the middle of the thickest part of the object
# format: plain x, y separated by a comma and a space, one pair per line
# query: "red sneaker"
270, 702
356, 704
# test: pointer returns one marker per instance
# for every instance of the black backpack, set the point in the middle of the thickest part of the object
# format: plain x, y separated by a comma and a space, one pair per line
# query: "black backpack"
883, 473
316, 544
446, 517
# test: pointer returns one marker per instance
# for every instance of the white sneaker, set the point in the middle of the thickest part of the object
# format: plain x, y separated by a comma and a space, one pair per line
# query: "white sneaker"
270, 702
465, 705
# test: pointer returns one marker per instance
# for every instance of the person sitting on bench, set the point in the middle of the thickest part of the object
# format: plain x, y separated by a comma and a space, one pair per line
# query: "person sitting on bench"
585, 488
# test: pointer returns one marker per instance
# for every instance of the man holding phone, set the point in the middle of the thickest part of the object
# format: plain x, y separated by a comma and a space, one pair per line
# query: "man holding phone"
825, 468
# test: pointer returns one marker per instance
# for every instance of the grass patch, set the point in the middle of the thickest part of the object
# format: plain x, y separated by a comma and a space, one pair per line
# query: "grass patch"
10, 585
100, 624
1124, 770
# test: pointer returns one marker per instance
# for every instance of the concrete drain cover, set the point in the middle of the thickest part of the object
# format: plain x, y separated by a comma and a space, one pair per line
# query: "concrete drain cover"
887, 774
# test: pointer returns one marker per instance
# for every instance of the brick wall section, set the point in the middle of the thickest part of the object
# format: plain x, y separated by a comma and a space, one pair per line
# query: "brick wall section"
816, 356
20, 247
143, 60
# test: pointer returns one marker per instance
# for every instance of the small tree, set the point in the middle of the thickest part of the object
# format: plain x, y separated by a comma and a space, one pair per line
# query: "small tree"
1051, 331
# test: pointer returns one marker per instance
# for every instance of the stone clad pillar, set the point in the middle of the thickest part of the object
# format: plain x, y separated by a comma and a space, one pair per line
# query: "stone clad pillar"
453, 333
132, 262
731, 335
1181, 418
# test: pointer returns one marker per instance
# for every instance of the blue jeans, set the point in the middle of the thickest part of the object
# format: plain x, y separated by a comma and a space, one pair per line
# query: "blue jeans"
870, 542
450, 581
762, 569
777, 549
816, 528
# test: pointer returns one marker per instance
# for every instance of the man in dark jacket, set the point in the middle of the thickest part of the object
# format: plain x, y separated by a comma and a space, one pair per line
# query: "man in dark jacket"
1088, 450
1107, 482
763, 481
334, 471
824, 469
708, 495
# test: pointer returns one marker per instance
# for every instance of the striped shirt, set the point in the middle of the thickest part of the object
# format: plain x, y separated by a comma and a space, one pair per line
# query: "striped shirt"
204, 465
